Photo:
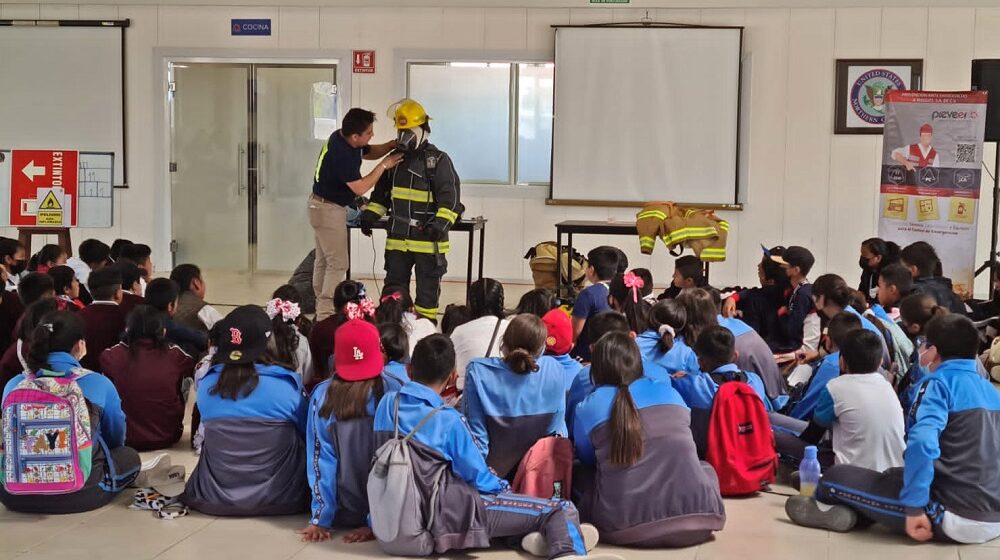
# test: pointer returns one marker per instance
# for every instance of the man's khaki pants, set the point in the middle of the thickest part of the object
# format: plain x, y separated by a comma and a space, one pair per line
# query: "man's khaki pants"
329, 222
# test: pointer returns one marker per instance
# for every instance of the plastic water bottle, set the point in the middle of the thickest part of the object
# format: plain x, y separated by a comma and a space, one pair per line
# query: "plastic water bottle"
809, 472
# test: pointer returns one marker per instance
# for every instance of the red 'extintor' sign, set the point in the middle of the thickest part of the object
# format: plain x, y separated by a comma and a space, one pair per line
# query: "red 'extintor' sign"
43, 188
364, 62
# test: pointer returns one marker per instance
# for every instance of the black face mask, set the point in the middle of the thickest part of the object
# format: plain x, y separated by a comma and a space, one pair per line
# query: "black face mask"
18, 267
406, 141
863, 263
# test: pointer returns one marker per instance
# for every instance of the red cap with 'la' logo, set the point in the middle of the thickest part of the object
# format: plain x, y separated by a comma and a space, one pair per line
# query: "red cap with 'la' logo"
357, 351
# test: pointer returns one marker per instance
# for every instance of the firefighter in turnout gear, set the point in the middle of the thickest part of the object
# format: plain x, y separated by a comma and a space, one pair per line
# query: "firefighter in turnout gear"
422, 200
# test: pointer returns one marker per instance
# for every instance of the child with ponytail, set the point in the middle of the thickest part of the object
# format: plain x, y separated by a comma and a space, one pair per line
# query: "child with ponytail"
513, 401
663, 342
625, 296
632, 430
396, 307
287, 347
56, 346
339, 435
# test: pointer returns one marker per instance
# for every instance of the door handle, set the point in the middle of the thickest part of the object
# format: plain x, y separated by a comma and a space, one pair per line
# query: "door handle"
262, 168
240, 170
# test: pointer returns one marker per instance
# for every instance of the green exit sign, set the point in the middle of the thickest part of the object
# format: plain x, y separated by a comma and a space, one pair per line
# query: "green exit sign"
609, 1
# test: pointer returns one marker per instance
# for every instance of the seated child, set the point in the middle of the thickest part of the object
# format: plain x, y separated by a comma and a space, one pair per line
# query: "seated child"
253, 459
395, 349
454, 317
624, 297
57, 343
840, 327
663, 343
632, 430
474, 504
286, 346
150, 375
559, 342
754, 353
49, 256
537, 302
67, 287
340, 431
860, 408
192, 309
321, 339
162, 294
689, 272
716, 350
513, 401
922, 261
601, 268
396, 306
15, 358
598, 326
646, 292
479, 337
947, 489
132, 289
104, 318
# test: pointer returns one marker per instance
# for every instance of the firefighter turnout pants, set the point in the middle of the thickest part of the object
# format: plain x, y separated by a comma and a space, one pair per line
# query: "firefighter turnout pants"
430, 268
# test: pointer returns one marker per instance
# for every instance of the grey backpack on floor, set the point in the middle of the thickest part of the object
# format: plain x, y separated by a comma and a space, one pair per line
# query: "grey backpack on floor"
397, 505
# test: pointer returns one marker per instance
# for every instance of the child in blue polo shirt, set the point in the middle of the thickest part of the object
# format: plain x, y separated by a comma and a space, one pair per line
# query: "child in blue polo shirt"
601, 268
474, 504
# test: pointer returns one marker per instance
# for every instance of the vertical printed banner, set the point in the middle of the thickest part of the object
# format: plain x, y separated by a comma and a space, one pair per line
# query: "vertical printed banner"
931, 163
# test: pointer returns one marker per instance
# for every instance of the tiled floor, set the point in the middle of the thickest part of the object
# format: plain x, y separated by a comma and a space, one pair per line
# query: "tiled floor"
756, 528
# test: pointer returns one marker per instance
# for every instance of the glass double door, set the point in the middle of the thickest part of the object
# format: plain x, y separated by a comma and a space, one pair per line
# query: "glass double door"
244, 144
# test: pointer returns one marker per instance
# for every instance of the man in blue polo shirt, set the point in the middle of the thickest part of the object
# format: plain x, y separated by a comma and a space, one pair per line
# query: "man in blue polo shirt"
336, 184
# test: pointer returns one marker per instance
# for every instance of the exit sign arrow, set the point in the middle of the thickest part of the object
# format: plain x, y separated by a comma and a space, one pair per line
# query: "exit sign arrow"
31, 170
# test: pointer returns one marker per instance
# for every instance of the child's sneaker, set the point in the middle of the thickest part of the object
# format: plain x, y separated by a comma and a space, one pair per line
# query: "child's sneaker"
807, 512
534, 543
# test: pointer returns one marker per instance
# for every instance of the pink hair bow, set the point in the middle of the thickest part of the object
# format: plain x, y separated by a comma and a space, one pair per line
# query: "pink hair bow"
288, 310
393, 296
360, 310
634, 282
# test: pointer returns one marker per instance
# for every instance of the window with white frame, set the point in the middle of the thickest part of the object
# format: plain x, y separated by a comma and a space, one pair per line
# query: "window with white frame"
493, 118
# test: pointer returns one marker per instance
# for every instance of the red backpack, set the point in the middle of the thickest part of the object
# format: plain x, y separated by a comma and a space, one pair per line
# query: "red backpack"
546, 471
740, 440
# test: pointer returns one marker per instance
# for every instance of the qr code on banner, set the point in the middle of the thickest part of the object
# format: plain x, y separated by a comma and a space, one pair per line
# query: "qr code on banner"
965, 153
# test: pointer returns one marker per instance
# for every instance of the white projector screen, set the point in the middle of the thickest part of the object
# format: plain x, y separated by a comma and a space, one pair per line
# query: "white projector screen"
646, 114
61, 88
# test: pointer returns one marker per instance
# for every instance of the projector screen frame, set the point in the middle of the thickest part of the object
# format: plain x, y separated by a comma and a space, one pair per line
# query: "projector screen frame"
121, 24
736, 205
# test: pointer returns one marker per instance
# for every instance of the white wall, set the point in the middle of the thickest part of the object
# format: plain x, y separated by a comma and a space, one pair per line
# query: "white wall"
806, 186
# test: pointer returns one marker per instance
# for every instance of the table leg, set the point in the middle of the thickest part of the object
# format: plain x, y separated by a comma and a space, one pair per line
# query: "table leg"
569, 263
348, 253
482, 249
468, 268
558, 262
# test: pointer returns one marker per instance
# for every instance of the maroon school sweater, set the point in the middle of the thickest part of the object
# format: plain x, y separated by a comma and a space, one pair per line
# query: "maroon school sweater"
149, 384
104, 323
130, 301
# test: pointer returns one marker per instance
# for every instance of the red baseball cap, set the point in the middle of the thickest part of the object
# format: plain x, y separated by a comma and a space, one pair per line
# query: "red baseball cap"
560, 332
357, 351
927, 129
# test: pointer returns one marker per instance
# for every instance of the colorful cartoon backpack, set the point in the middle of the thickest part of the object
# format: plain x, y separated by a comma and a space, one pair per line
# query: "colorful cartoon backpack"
47, 445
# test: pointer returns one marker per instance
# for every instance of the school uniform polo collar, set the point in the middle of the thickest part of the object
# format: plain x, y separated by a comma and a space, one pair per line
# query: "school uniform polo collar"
957, 367
63, 362
422, 392
103, 302
727, 368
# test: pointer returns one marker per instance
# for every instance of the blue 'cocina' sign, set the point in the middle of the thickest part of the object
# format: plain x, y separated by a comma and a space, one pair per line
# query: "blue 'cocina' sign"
251, 27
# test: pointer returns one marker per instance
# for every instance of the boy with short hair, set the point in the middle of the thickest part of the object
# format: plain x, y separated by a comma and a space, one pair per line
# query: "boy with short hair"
192, 310
922, 261
601, 268
35, 286
162, 294
689, 272
104, 318
479, 504
841, 327
131, 286
93, 255
947, 489
860, 407
894, 283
